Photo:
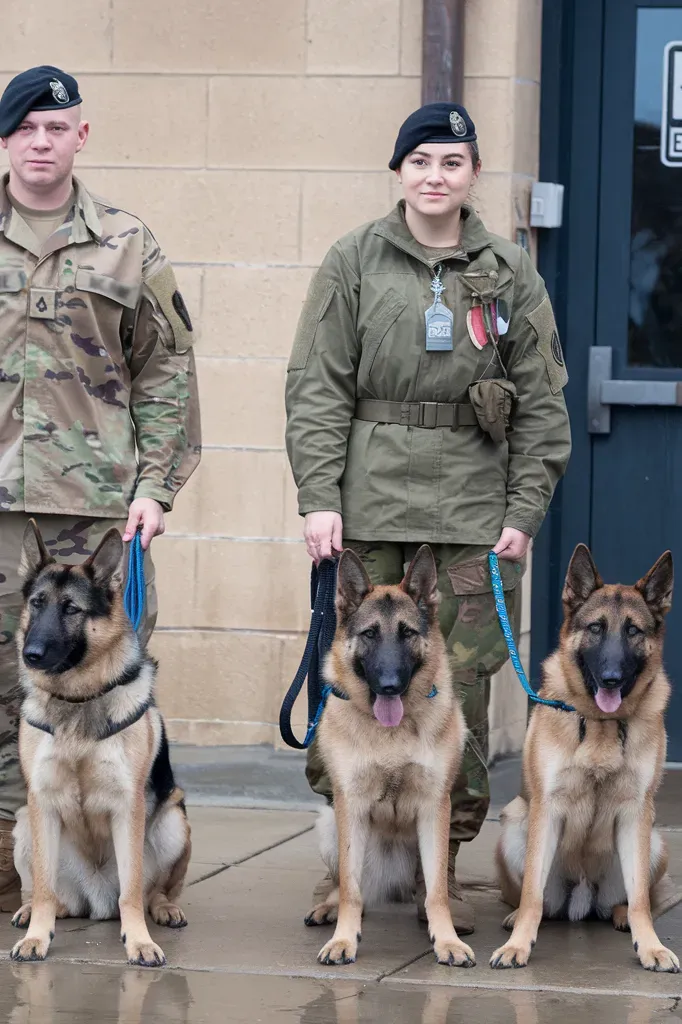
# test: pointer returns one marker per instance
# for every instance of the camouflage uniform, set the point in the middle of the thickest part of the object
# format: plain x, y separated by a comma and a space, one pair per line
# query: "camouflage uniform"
476, 649
98, 401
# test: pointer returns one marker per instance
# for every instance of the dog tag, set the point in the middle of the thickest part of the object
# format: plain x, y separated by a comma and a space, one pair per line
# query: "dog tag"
439, 320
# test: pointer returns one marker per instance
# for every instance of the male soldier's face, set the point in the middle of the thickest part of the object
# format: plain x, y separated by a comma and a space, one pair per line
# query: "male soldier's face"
42, 149
437, 177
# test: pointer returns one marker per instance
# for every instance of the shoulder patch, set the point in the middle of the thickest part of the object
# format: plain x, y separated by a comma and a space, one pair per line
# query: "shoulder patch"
164, 288
543, 323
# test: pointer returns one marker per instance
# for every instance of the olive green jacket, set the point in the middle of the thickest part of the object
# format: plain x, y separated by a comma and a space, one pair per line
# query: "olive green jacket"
362, 335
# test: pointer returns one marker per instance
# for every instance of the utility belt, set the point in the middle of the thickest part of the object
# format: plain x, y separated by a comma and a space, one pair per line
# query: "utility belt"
490, 409
416, 414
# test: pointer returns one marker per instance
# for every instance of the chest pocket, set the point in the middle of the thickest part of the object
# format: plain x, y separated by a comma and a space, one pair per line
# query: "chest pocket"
12, 279
386, 314
100, 284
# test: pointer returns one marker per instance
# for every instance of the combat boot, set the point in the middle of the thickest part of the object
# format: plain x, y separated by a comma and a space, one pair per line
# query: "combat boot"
10, 883
463, 916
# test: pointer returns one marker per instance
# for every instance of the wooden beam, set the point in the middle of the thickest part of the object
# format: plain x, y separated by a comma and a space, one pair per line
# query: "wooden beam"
443, 51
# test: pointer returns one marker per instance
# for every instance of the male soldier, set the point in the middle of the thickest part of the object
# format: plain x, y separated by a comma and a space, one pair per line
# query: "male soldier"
96, 362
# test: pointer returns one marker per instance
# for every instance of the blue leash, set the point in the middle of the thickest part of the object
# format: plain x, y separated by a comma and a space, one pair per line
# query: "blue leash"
134, 595
501, 606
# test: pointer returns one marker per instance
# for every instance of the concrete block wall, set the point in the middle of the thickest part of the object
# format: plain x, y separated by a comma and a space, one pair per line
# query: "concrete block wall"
250, 136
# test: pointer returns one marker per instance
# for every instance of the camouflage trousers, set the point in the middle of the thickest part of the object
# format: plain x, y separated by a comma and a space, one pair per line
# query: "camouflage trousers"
476, 649
68, 539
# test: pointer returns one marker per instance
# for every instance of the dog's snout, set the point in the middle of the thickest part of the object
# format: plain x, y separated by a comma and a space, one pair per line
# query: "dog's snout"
612, 677
34, 653
390, 685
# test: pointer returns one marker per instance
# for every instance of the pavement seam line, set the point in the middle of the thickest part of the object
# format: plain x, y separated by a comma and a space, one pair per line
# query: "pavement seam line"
573, 990
243, 860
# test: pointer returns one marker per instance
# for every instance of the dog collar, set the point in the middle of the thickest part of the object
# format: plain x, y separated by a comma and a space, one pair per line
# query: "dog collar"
622, 728
111, 729
129, 676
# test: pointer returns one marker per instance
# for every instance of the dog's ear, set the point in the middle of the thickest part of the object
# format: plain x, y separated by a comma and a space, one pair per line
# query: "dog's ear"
34, 554
105, 562
582, 579
352, 584
657, 586
421, 579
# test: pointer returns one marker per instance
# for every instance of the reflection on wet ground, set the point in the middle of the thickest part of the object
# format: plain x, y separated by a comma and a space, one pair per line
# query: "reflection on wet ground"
45, 993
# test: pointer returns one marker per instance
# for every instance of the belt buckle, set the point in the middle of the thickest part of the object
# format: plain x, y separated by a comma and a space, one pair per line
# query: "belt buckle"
428, 415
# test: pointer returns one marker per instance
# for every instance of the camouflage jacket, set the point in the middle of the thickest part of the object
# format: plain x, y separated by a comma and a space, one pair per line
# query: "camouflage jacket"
361, 335
98, 392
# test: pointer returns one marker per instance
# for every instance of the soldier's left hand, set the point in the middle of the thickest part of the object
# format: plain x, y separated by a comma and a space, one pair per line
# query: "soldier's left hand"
148, 514
512, 544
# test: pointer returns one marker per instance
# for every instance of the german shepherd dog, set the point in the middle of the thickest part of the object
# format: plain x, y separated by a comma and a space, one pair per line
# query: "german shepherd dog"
392, 749
105, 831
580, 841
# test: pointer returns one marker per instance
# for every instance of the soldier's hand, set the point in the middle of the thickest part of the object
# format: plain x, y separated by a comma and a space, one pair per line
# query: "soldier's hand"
323, 534
148, 514
512, 544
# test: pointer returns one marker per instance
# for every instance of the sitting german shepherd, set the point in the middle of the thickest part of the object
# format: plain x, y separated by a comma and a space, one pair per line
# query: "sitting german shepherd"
105, 831
581, 841
392, 749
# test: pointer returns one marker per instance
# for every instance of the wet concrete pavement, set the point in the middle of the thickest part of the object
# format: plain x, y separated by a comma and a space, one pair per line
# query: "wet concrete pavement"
247, 957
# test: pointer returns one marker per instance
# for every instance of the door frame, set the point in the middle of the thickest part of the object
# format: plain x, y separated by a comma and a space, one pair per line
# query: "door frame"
571, 125
570, 144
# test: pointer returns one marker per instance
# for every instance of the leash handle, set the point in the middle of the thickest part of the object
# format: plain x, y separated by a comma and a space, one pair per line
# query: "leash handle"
319, 641
135, 589
505, 626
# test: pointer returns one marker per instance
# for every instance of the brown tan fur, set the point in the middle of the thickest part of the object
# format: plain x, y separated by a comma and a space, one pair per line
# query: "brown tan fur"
94, 840
391, 786
585, 818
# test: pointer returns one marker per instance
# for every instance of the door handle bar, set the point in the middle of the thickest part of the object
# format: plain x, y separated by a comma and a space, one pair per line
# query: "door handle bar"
603, 391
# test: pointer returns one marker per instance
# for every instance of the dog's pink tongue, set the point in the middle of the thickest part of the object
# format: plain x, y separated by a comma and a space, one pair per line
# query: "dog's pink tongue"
388, 711
608, 700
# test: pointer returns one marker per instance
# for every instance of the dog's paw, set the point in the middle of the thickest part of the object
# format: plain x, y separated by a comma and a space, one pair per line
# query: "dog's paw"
454, 953
33, 947
168, 915
145, 954
620, 918
323, 913
658, 958
512, 954
22, 918
339, 951
510, 921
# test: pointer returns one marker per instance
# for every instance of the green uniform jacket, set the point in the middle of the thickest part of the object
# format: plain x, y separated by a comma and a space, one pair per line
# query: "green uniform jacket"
362, 335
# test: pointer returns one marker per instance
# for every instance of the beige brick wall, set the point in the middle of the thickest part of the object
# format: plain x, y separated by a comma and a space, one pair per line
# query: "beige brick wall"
250, 136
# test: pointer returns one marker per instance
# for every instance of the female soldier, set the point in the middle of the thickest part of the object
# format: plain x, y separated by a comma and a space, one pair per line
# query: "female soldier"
425, 404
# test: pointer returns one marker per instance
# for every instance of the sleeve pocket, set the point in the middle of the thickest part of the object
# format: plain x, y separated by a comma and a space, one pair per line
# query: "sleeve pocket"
543, 323
316, 305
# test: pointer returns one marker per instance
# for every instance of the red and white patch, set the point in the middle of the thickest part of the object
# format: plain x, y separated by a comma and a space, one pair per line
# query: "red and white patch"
476, 327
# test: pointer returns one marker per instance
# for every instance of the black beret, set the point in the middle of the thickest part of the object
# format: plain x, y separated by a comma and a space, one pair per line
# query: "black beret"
43, 88
435, 122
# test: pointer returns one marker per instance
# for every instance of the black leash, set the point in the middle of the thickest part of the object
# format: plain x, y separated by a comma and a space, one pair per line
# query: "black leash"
320, 639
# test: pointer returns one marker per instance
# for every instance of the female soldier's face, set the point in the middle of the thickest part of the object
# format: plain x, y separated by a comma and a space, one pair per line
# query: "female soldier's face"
437, 177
